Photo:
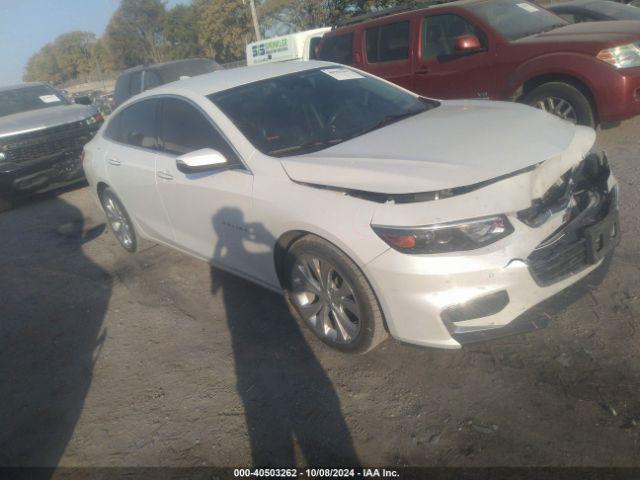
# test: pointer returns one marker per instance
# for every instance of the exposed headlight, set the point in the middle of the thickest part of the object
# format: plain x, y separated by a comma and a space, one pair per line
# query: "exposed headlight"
2, 157
623, 56
446, 237
95, 119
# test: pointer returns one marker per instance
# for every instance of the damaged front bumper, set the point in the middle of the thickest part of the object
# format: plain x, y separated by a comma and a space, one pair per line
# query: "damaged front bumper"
449, 300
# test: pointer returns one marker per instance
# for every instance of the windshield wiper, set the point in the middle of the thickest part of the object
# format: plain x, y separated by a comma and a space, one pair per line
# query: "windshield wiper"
387, 120
307, 147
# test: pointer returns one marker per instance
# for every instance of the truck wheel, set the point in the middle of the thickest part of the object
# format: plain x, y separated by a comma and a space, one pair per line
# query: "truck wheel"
564, 101
326, 291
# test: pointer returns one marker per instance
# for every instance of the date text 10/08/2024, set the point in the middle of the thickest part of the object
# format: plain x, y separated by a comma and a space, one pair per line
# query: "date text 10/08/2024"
315, 473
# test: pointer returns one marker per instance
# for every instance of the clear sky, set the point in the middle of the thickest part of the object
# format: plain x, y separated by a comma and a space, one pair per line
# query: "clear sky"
27, 25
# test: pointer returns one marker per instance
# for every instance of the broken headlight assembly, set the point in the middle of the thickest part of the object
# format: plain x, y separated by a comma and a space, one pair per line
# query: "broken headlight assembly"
446, 237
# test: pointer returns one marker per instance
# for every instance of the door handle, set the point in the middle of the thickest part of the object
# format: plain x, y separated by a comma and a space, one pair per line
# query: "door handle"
422, 71
115, 162
165, 175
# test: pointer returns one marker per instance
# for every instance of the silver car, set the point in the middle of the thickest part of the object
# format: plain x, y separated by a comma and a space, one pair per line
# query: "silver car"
372, 209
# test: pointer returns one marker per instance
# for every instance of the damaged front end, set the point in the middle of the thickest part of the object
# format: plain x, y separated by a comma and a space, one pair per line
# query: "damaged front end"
588, 202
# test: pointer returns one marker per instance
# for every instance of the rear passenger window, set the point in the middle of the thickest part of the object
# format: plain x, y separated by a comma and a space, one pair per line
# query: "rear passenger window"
338, 48
113, 129
135, 83
185, 129
387, 43
138, 124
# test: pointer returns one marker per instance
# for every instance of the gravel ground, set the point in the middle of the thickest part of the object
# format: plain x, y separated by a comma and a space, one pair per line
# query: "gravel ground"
111, 359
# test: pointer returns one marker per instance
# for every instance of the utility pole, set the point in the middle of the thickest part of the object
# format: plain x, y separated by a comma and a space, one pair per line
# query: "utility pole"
254, 16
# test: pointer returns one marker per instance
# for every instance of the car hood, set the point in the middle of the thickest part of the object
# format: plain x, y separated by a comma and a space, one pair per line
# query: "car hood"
44, 118
459, 143
606, 33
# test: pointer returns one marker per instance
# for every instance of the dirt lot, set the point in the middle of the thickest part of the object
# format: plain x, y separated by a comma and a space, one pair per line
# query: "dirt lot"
113, 359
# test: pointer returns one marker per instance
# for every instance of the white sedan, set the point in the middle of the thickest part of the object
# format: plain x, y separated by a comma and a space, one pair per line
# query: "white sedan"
372, 209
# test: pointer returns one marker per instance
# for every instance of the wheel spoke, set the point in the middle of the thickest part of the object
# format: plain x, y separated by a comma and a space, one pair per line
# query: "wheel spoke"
306, 281
311, 309
325, 325
350, 305
348, 329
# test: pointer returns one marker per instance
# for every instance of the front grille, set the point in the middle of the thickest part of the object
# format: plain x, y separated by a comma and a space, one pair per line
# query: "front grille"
47, 143
556, 262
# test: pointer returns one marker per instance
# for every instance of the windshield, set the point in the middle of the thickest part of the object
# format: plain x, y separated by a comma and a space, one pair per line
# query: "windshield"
615, 11
515, 19
314, 109
186, 68
29, 98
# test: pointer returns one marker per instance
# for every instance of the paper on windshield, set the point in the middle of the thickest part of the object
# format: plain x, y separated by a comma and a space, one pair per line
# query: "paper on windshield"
342, 73
528, 8
49, 98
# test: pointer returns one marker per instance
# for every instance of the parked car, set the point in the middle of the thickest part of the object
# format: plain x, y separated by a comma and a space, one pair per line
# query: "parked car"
578, 11
143, 77
41, 138
357, 199
296, 46
500, 49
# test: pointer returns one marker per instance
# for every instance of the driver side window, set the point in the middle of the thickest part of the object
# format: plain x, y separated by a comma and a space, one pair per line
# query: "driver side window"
439, 33
184, 129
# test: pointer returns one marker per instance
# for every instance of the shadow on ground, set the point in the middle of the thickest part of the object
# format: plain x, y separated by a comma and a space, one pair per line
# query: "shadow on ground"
53, 304
292, 410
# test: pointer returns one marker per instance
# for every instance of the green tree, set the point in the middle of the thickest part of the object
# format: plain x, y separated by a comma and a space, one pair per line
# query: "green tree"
181, 34
224, 28
43, 67
136, 33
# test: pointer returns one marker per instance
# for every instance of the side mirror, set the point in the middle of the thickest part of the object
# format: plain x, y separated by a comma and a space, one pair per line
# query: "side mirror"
467, 44
202, 160
83, 100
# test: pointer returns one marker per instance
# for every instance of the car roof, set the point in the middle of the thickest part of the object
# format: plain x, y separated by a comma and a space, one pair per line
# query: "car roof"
573, 3
209, 83
154, 66
402, 10
20, 85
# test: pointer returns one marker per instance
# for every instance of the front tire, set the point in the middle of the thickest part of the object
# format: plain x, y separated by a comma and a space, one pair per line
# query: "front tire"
119, 221
326, 291
564, 101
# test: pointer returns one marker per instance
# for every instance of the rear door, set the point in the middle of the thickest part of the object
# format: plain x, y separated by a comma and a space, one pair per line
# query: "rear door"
442, 72
387, 51
208, 210
131, 166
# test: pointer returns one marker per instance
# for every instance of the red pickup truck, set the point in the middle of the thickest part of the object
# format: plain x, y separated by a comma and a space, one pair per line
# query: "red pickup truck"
587, 73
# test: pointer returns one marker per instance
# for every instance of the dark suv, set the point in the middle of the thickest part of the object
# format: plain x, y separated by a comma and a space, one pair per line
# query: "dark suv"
587, 73
41, 139
143, 77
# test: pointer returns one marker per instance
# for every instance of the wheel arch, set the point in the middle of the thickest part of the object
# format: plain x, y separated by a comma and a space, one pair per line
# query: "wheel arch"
534, 82
287, 239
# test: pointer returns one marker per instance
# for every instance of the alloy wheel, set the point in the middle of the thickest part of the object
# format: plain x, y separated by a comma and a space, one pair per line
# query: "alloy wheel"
558, 107
326, 300
118, 221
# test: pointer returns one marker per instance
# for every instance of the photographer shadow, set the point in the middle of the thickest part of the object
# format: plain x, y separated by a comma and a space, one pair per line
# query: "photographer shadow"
291, 407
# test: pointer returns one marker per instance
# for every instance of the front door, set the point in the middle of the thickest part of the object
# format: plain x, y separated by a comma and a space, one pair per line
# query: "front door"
208, 210
441, 72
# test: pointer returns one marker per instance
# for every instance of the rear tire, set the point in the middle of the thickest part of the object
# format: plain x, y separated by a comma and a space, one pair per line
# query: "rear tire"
119, 220
326, 291
564, 101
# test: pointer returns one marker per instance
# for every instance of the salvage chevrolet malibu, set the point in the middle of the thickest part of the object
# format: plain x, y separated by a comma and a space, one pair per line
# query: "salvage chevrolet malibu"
371, 208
